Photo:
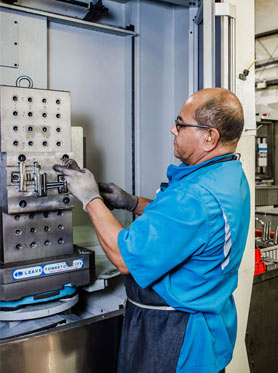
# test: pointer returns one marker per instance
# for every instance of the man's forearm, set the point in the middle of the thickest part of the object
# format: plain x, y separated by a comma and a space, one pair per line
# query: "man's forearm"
142, 203
107, 228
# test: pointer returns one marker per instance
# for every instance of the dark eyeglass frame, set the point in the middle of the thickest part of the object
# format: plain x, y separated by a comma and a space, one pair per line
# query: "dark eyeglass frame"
178, 124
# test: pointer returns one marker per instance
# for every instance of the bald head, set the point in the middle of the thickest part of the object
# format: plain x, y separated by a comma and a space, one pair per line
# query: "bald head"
221, 109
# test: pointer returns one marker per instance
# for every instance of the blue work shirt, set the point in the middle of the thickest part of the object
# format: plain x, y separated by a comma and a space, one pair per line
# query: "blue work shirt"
188, 245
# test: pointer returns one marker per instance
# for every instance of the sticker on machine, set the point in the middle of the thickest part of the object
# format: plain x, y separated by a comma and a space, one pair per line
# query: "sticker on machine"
47, 269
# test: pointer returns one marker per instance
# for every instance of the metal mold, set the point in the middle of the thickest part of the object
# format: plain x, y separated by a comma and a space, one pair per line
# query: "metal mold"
35, 205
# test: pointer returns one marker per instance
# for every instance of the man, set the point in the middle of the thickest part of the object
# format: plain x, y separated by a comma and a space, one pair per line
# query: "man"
181, 256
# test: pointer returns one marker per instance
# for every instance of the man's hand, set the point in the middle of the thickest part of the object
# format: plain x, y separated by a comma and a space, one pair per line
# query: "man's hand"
115, 197
81, 183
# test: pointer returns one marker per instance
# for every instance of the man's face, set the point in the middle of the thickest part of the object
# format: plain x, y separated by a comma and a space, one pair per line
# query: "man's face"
188, 141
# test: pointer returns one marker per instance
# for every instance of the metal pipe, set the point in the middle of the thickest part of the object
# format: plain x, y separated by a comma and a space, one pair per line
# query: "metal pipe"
36, 171
265, 228
22, 177
276, 235
267, 33
269, 231
268, 63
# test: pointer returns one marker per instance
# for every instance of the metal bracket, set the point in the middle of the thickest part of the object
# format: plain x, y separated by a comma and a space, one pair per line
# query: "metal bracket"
225, 9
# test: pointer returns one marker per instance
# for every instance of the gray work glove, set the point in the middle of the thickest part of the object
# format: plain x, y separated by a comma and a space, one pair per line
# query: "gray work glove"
81, 183
115, 197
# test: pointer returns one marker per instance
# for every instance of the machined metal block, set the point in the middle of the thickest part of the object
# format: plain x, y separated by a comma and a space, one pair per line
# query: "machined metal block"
17, 203
36, 207
36, 240
36, 235
34, 120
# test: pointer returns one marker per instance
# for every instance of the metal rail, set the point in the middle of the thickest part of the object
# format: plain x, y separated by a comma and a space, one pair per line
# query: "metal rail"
71, 21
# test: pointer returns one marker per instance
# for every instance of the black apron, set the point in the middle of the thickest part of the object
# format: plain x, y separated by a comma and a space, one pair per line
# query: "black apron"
152, 337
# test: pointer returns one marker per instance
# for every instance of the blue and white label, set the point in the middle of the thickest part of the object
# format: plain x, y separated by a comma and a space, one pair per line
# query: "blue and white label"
20, 274
47, 269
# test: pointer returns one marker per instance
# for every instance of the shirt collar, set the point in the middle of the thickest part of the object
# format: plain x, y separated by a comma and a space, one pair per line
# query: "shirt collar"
176, 173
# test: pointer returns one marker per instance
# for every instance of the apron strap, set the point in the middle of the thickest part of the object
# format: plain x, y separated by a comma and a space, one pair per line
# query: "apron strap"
149, 307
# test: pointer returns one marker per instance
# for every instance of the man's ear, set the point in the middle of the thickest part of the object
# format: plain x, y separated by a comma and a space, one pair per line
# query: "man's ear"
211, 140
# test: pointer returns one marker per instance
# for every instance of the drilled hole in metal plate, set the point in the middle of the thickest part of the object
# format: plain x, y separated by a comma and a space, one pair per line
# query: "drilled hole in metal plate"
60, 213
60, 226
46, 228
22, 203
58, 116
18, 247
33, 244
32, 230
46, 214
44, 143
44, 129
61, 241
15, 142
15, 113
58, 129
30, 143
44, 100
30, 128
66, 200
30, 99
31, 216
58, 101
15, 98
44, 115
30, 114
15, 128
46, 243
18, 232
22, 157
58, 143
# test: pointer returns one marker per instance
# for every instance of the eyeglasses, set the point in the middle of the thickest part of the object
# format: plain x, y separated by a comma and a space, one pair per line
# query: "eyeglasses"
179, 125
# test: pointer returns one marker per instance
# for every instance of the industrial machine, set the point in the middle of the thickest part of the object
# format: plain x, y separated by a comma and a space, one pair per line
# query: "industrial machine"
128, 77
41, 270
39, 263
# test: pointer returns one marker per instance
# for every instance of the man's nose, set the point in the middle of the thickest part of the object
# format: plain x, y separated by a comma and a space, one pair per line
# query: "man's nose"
173, 130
